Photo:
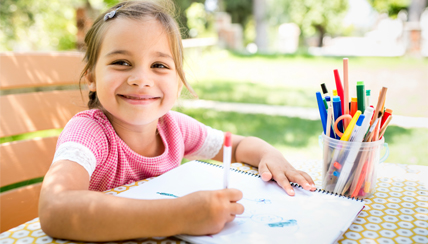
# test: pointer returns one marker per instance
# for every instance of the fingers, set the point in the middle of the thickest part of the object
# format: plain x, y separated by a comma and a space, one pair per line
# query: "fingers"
283, 182
302, 179
232, 194
235, 209
264, 172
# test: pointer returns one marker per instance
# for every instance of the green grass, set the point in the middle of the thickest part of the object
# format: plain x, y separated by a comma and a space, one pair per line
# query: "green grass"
298, 138
290, 80
242, 92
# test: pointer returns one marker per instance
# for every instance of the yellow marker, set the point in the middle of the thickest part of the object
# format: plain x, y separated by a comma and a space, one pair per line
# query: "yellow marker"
334, 93
350, 127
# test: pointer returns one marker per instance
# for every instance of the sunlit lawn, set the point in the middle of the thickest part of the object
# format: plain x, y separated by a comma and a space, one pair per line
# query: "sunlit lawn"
293, 80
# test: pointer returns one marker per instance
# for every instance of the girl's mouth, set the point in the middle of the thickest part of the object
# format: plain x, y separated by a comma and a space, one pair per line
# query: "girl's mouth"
139, 99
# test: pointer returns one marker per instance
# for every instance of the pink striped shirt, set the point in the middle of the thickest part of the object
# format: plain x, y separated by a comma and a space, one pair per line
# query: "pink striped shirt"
90, 140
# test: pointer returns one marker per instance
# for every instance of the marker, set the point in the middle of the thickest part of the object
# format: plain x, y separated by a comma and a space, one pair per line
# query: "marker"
367, 98
382, 130
339, 87
357, 127
345, 90
227, 157
323, 111
347, 134
385, 116
361, 96
337, 107
354, 106
325, 103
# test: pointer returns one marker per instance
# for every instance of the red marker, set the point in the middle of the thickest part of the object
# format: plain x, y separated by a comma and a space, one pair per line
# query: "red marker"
339, 87
227, 157
385, 116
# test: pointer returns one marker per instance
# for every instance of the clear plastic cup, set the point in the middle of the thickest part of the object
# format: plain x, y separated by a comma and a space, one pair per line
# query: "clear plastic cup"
350, 168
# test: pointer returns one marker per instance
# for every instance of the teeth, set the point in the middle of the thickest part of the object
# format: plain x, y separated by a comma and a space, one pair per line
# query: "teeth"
136, 98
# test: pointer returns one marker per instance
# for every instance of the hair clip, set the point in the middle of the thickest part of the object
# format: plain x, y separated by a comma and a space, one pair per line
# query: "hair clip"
111, 14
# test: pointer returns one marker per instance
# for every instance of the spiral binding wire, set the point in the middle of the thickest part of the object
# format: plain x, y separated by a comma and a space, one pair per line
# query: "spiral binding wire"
291, 183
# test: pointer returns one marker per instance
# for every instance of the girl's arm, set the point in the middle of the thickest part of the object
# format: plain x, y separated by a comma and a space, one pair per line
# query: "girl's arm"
68, 210
271, 162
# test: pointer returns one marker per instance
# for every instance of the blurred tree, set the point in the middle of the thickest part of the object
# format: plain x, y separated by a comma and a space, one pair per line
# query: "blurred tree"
199, 21
37, 25
312, 16
391, 7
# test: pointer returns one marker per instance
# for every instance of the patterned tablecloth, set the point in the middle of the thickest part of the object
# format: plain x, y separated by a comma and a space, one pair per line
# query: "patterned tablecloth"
396, 213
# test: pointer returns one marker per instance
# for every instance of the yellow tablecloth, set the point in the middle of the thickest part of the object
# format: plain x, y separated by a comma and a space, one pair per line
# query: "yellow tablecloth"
396, 213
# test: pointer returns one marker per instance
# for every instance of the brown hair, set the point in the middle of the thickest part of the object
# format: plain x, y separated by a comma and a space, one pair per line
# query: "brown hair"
162, 12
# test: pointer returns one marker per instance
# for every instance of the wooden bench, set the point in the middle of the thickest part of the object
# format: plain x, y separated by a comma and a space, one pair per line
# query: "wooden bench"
39, 91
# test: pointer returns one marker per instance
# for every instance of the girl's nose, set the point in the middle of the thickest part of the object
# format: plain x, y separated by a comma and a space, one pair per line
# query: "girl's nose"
140, 79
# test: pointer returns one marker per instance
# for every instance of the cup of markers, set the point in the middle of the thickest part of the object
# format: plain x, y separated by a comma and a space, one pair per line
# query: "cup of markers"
352, 139
350, 168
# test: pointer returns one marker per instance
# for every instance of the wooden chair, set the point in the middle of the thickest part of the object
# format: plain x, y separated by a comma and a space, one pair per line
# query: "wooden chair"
39, 91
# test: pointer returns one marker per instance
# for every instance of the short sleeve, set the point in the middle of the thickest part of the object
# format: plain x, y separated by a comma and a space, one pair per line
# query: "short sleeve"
82, 141
200, 141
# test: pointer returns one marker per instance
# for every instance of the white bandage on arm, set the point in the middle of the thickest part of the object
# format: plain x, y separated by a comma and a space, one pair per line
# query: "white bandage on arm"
78, 153
212, 145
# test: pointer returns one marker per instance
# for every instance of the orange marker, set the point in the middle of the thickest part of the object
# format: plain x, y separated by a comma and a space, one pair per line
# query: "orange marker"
354, 106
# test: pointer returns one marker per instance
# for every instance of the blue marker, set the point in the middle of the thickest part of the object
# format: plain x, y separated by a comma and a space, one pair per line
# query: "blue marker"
323, 112
337, 107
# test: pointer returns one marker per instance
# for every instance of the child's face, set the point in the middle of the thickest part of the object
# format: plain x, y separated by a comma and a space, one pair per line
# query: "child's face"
135, 77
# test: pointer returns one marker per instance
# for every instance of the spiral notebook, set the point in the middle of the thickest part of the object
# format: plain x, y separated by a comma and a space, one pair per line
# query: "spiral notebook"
270, 216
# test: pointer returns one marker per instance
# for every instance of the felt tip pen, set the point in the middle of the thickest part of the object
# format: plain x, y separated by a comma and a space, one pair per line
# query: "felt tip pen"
322, 110
227, 157
367, 98
357, 127
339, 87
337, 107
385, 116
354, 106
361, 96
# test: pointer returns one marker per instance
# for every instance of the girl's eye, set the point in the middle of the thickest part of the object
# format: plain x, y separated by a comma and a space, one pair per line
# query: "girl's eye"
159, 66
121, 62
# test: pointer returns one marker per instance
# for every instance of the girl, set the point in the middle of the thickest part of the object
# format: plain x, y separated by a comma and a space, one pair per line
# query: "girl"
134, 71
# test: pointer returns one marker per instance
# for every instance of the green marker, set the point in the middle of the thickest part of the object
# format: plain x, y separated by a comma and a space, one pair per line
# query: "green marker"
325, 103
361, 96
367, 98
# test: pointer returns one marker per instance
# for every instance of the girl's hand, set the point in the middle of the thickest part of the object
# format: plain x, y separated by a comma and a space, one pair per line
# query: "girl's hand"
274, 165
208, 211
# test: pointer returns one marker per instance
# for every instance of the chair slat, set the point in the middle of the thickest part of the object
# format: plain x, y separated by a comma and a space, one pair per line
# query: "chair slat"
39, 69
29, 112
24, 160
19, 206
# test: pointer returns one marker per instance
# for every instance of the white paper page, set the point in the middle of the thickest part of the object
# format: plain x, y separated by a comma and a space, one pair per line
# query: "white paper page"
271, 216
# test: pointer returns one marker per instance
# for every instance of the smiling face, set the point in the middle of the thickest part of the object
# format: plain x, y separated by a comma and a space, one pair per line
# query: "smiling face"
135, 77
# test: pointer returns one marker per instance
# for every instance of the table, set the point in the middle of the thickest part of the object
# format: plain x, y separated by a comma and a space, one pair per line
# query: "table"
396, 213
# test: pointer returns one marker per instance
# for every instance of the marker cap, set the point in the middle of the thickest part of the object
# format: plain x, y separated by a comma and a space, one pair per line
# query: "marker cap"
334, 92
336, 99
228, 139
367, 92
388, 111
360, 120
327, 98
324, 88
354, 99
360, 83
